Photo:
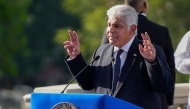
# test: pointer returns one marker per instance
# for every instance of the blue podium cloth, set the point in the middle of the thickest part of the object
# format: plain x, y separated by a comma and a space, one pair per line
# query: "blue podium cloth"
82, 101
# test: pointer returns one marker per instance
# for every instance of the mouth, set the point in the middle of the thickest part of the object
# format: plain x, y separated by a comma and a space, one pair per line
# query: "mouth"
112, 37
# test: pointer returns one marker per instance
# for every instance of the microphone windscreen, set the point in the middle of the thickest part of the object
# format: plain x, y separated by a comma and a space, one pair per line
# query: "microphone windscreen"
96, 58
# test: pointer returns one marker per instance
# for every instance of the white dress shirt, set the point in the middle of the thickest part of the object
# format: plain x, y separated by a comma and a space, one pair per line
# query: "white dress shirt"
182, 55
123, 55
182, 58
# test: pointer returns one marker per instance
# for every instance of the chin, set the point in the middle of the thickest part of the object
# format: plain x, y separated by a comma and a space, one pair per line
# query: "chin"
112, 43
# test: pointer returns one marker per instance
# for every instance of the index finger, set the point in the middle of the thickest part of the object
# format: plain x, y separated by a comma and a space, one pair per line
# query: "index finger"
71, 35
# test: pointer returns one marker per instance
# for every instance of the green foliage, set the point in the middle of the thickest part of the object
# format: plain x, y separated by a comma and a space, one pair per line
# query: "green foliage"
13, 41
46, 19
93, 22
62, 34
174, 15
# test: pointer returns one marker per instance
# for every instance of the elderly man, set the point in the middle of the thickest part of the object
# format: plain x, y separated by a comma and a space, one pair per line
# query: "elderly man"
160, 36
128, 68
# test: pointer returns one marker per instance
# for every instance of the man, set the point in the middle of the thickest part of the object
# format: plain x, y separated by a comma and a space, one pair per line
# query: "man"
137, 73
160, 36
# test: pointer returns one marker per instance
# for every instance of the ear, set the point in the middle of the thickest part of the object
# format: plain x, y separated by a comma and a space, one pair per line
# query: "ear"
145, 5
133, 29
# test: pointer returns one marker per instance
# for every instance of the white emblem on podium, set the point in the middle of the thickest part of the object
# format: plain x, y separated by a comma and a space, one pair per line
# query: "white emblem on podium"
64, 105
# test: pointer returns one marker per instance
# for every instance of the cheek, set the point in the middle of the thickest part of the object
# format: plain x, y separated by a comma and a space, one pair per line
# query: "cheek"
122, 36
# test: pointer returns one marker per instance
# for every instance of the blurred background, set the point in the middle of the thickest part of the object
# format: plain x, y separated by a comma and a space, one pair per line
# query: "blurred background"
32, 32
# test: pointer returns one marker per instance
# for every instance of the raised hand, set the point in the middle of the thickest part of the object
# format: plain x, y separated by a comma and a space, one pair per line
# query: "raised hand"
73, 45
147, 50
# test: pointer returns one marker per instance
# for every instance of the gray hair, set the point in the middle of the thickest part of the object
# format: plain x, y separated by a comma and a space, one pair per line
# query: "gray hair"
127, 12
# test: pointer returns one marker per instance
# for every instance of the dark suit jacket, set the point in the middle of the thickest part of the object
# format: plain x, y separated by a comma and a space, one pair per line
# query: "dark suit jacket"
139, 82
160, 36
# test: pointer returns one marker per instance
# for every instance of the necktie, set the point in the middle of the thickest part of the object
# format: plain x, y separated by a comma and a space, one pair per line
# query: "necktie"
117, 69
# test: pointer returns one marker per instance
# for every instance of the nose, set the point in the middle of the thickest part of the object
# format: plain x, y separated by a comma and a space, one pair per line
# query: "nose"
110, 29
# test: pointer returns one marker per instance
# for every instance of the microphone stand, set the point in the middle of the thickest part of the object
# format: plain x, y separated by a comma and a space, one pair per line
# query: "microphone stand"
95, 59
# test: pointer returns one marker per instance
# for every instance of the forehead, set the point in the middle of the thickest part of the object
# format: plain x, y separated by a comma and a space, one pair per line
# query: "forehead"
116, 20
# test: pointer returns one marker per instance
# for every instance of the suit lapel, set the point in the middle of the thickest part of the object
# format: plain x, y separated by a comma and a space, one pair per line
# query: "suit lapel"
129, 62
108, 58
108, 54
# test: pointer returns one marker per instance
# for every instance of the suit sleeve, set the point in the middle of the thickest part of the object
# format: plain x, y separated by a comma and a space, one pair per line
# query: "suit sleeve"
85, 78
75, 66
169, 52
159, 73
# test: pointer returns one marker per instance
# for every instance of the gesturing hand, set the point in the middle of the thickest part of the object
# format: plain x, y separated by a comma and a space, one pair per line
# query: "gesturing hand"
147, 50
72, 46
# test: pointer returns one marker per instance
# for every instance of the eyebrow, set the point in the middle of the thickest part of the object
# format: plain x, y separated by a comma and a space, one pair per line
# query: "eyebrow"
115, 23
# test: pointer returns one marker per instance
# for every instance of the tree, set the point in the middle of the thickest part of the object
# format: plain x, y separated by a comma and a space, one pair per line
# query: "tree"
172, 14
46, 17
93, 20
13, 40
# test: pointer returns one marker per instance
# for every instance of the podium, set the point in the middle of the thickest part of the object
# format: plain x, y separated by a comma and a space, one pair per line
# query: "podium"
81, 101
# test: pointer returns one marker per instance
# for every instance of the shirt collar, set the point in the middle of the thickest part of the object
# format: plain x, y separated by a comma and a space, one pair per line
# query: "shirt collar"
141, 14
126, 46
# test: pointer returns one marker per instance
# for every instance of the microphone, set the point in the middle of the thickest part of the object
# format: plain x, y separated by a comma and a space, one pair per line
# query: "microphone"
95, 59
